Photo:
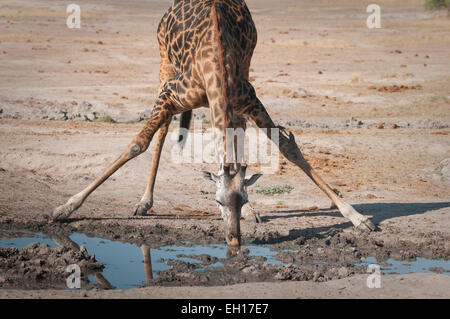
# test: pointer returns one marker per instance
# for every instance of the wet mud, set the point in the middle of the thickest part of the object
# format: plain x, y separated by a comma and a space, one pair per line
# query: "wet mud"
319, 257
39, 266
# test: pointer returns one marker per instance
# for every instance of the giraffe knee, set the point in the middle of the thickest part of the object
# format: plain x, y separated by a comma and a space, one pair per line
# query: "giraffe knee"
133, 150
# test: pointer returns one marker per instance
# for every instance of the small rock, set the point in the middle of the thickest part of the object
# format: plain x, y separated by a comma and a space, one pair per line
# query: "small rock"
316, 276
32, 245
445, 167
90, 117
248, 270
343, 272
39, 262
279, 276
84, 251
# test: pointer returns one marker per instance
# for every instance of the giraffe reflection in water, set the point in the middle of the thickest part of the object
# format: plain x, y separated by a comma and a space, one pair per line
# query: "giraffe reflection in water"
64, 240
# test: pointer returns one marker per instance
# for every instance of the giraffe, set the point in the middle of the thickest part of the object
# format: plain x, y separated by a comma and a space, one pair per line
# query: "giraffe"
206, 47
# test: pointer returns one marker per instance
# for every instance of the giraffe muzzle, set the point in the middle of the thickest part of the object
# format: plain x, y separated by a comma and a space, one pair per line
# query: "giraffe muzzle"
234, 241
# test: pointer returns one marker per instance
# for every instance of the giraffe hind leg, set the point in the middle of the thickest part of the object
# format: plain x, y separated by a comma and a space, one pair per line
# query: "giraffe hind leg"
146, 201
166, 72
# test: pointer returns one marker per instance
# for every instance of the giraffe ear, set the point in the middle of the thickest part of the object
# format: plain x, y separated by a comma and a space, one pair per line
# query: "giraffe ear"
252, 180
208, 176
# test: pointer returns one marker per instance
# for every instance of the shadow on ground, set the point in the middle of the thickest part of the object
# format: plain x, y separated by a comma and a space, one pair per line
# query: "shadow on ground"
378, 212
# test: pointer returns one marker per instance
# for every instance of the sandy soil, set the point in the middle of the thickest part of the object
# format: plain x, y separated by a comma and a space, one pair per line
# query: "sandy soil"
396, 286
319, 70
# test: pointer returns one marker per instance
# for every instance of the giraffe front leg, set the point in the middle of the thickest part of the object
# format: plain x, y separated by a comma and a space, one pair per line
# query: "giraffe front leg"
146, 201
64, 211
161, 114
289, 148
291, 151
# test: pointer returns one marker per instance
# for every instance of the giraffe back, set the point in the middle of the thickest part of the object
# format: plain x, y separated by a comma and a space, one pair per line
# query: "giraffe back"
194, 30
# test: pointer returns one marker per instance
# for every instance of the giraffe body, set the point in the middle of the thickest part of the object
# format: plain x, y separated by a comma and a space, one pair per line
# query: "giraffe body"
206, 48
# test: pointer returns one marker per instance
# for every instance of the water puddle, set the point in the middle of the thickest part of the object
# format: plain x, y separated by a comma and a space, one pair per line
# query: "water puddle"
129, 266
125, 266
418, 266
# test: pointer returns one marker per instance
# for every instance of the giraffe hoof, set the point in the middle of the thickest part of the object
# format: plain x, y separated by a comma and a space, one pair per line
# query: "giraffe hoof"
367, 225
61, 213
141, 209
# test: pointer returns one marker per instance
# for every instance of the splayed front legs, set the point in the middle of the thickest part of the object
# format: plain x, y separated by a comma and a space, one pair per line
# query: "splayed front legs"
161, 115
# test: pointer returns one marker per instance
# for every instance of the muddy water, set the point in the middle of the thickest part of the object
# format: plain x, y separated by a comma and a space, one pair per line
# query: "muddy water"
123, 262
420, 265
114, 264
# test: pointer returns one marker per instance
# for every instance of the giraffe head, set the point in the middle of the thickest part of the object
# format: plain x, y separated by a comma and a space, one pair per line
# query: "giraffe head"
231, 195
